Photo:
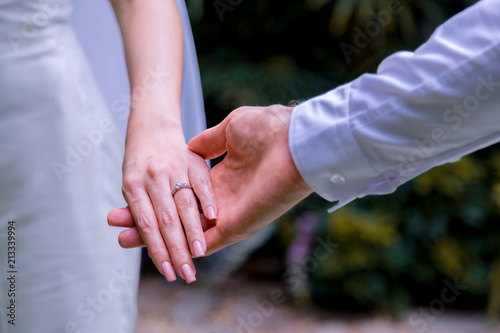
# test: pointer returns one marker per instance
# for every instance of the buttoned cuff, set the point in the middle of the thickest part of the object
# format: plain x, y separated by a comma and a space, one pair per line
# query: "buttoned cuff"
325, 151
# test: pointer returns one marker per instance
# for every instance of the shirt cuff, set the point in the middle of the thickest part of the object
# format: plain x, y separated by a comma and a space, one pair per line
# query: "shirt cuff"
325, 151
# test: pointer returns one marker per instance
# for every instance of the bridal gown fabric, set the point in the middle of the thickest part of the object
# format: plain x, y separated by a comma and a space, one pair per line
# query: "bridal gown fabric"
102, 43
60, 174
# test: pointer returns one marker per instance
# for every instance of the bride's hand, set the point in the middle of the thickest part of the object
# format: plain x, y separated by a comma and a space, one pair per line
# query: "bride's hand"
170, 226
156, 156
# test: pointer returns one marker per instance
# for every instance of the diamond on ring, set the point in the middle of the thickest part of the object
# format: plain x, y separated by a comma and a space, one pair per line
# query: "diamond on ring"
179, 186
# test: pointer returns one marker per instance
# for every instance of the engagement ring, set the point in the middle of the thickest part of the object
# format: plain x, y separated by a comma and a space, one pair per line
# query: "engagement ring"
179, 186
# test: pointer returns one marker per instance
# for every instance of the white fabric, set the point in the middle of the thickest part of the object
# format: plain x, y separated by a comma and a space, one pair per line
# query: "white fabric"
98, 32
60, 160
96, 27
419, 110
60, 174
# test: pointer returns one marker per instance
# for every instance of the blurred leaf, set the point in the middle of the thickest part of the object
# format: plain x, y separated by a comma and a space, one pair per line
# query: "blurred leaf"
196, 9
341, 15
407, 22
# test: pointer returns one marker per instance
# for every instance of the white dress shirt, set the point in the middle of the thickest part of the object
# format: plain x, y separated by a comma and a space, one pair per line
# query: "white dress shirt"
420, 109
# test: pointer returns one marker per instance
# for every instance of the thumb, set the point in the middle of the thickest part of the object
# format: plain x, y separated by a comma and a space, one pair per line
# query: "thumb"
212, 142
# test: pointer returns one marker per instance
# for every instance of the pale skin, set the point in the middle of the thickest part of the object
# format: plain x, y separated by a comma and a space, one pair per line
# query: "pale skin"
156, 154
256, 183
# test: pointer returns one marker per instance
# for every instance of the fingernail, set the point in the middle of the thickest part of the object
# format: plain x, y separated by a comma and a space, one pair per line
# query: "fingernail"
198, 249
168, 271
188, 273
211, 213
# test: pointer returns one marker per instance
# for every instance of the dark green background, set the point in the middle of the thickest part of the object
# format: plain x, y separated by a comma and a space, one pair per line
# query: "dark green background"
395, 251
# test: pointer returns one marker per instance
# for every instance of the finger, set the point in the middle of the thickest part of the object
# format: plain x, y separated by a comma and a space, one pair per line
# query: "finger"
187, 207
172, 232
121, 217
130, 238
147, 225
215, 240
202, 186
212, 142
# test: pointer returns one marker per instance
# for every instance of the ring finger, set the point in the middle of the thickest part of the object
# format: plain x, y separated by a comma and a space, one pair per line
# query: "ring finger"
189, 213
172, 232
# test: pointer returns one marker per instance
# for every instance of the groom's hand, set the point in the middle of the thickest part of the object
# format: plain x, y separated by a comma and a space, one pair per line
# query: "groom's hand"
257, 181
254, 184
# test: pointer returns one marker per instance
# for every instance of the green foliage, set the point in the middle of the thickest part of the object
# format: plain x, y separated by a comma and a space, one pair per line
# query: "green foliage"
396, 250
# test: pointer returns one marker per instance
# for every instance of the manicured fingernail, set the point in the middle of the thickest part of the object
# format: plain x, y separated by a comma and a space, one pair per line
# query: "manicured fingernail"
168, 271
198, 249
188, 273
211, 213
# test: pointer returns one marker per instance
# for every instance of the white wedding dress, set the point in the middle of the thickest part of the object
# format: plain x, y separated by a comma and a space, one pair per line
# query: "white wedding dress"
60, 174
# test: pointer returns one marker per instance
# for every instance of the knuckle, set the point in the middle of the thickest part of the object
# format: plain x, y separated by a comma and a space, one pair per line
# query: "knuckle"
233, 127
176, 251
130, 183
186, 202
167, 218
201, 182
239, 110
155, 170
145, 223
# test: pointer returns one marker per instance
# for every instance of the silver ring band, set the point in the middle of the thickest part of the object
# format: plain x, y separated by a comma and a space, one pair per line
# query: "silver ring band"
179, 186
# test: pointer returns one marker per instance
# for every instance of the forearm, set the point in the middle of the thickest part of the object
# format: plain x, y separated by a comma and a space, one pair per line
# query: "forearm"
420, 110
152, 36
156, 154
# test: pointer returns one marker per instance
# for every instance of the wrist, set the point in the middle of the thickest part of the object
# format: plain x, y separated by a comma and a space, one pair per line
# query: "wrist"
143, 129
155, 115
293, 181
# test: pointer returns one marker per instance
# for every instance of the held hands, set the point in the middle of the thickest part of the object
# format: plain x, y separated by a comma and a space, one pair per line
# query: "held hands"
255, 183
171, 226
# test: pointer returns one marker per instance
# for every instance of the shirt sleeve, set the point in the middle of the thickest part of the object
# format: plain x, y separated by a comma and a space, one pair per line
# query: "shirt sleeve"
420, 109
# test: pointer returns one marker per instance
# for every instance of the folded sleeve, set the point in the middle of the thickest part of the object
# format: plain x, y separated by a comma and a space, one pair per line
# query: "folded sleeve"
420, 109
